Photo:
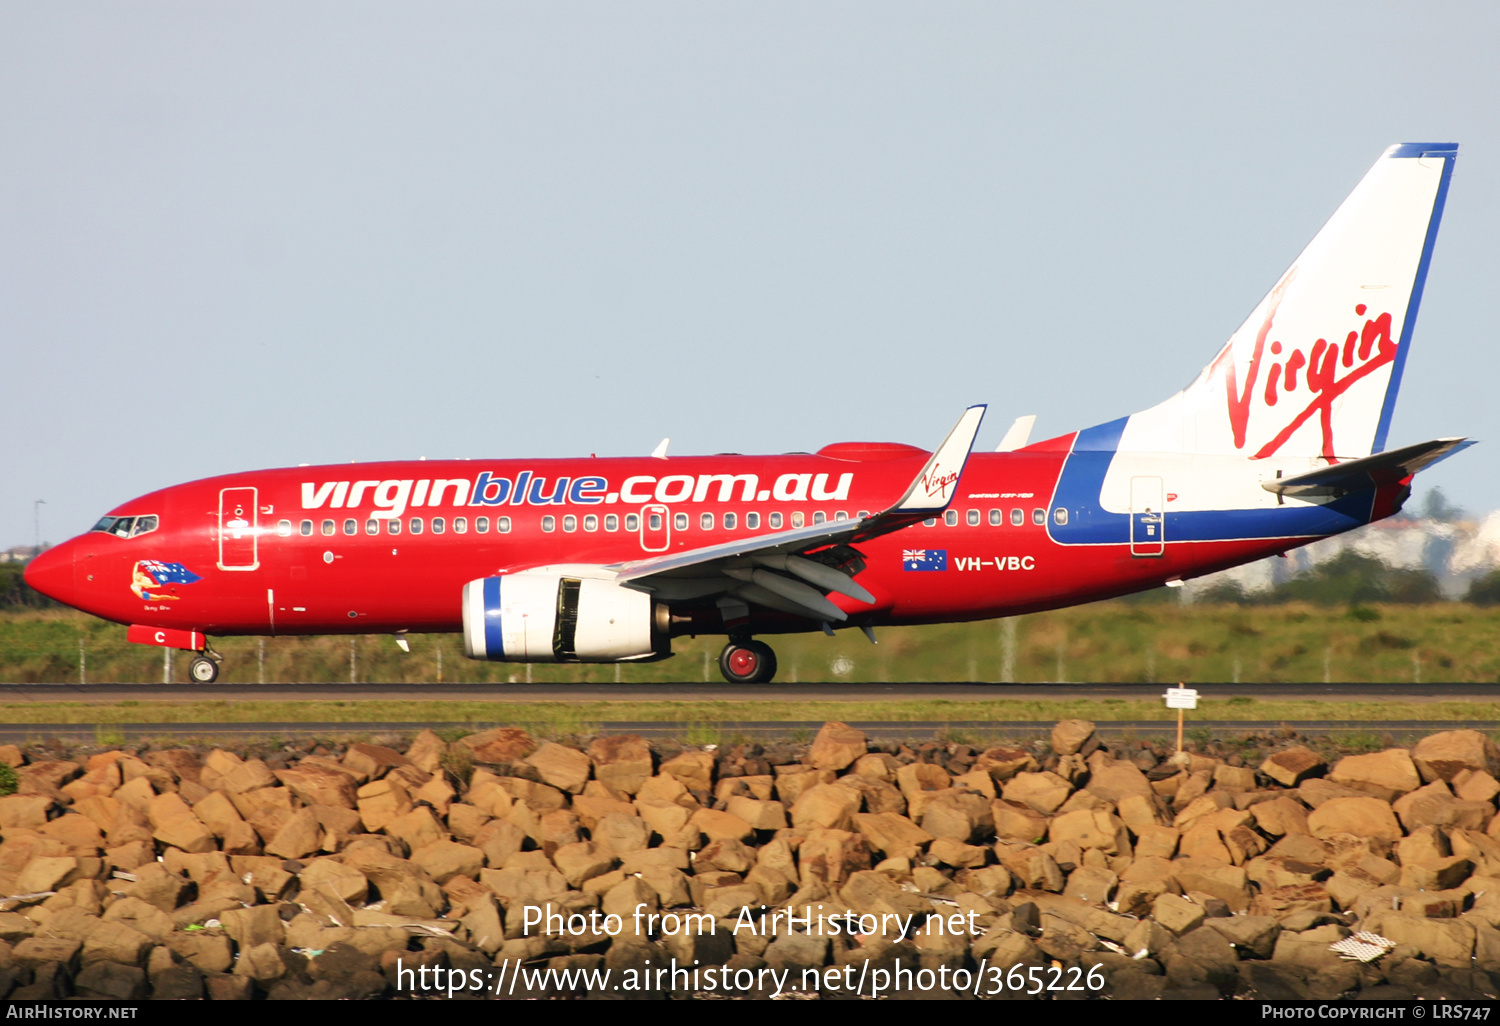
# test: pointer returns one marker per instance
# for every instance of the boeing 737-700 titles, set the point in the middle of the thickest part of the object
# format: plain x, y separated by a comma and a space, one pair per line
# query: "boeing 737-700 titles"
1279, 441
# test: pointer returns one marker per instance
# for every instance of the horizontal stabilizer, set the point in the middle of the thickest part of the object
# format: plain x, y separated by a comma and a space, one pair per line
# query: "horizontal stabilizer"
1369, 471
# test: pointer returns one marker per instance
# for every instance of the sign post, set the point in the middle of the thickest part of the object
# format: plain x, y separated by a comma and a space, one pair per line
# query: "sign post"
1181, 698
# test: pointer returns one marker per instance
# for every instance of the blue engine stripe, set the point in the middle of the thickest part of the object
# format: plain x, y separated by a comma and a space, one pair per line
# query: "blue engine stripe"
494, 640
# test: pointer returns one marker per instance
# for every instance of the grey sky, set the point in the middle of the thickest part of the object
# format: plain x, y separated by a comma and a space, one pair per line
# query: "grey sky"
245, 235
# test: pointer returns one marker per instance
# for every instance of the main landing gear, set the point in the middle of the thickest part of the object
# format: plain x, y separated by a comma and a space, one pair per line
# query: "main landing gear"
747, 662
203, 669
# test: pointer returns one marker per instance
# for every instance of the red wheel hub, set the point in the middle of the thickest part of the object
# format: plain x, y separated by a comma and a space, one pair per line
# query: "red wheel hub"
743, 662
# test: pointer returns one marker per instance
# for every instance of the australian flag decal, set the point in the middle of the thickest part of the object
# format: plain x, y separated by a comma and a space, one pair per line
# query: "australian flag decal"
924, 559
168, 573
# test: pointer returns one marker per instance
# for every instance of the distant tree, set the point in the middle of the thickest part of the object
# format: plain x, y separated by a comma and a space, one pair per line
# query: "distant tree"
1485, 591
15, 593
1351, 578
1435, 506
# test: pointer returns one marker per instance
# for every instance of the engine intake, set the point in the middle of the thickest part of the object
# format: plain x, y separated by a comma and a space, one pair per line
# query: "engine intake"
552, 618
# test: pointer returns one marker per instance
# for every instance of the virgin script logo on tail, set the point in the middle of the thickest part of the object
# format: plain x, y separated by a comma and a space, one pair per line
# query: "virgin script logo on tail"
1306, 378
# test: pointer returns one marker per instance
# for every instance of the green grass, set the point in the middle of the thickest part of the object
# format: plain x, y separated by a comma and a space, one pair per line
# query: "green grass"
1157, 642
582, 718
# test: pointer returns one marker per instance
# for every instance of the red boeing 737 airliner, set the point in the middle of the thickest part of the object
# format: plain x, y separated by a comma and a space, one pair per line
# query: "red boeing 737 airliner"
1278, 442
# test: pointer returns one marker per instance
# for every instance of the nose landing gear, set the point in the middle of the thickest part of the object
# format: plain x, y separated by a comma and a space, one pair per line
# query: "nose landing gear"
747, 662
203, 669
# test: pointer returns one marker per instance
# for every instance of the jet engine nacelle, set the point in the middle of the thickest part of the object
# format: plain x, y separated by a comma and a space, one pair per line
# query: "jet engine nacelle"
546, 617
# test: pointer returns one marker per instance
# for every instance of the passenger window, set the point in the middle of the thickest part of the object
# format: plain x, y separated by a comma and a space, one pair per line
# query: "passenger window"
930, 522
570, 523
819, 517
972, 517
680, 521
549, 524
350, 527
481, 525
460, 525
328, 527
372, 527
612, 522
393, 525
706, 521
591, 523
654, 521
951, 518
145, 525
729, 521
996, 518
1039, 517
1017, 517
503, 525
1060, 517
438, 526
752, 521
632, 522
414, 525
841, 515
862, 514
775, 521
305, 528
283, 529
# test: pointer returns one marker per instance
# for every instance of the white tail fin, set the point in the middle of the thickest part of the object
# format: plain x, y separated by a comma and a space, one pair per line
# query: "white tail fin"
1315, 369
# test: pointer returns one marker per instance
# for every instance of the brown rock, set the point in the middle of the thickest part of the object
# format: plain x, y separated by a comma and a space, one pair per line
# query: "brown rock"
1177, 914
1386, 775
1017, 822
24, 811
1094, 886
1448, 942
1435, 805
827, 806
694, 770
319, 785
566, 769
1206, 876
961, 815
878, 795
373, 760
1072, 737
498, 746
1363, 817
1280, 816
621, 761
345, 882
115, 942
418, 827
837, 746
1474, 785
715, 825
1114, 780
173, 823
300, 836
895, 836
1291, 766
827, 858
1091, 828
1443, 756
445, 859
1042, 792
761, 815
1003, 763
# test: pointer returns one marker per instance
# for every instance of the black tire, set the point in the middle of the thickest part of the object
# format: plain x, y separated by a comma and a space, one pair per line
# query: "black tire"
750, 663
203, 670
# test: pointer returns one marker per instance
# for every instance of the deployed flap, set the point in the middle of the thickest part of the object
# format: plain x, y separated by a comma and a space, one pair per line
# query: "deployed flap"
1369, 471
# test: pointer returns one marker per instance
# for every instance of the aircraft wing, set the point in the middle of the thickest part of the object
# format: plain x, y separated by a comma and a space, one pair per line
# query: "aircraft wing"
771, 570
1368, 471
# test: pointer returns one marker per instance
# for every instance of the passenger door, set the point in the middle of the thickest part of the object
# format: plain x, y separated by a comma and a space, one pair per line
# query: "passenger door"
239, 529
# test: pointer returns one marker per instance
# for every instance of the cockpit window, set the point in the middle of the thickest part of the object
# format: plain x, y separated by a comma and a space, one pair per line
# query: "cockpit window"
126, 527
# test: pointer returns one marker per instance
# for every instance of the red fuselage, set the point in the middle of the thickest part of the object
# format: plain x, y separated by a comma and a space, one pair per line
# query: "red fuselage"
385, 547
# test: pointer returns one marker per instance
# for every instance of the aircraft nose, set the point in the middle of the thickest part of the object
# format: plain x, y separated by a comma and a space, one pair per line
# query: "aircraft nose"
51, 573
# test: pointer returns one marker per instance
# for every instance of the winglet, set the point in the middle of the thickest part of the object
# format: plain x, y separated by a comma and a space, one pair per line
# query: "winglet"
935, 486
660, 452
